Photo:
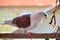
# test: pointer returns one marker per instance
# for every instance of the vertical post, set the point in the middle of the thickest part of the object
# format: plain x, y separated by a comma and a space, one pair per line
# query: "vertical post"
53, 17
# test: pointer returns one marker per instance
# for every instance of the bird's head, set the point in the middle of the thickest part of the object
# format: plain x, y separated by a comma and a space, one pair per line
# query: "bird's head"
43, 14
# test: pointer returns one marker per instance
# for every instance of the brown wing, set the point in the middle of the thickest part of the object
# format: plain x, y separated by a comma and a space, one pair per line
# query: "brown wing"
23, 21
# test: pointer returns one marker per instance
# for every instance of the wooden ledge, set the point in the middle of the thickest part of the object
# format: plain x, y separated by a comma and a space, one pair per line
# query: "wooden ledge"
51, 35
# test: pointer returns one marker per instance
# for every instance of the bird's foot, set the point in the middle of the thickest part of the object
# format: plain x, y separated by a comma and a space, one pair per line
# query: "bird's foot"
29, 34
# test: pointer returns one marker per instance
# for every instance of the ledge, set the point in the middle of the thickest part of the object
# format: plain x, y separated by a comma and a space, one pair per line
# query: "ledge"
51, 35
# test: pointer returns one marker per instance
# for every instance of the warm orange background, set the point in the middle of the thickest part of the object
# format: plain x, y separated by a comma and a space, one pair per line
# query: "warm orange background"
27, 2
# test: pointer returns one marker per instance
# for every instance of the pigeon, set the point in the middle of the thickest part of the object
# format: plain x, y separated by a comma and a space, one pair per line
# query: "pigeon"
29, 21
26, 21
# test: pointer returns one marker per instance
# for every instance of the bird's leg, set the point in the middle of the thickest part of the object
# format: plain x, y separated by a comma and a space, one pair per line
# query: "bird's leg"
28, 33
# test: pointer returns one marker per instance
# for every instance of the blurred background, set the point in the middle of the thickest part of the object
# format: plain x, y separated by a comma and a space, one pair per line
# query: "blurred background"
12, 12
12, 8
